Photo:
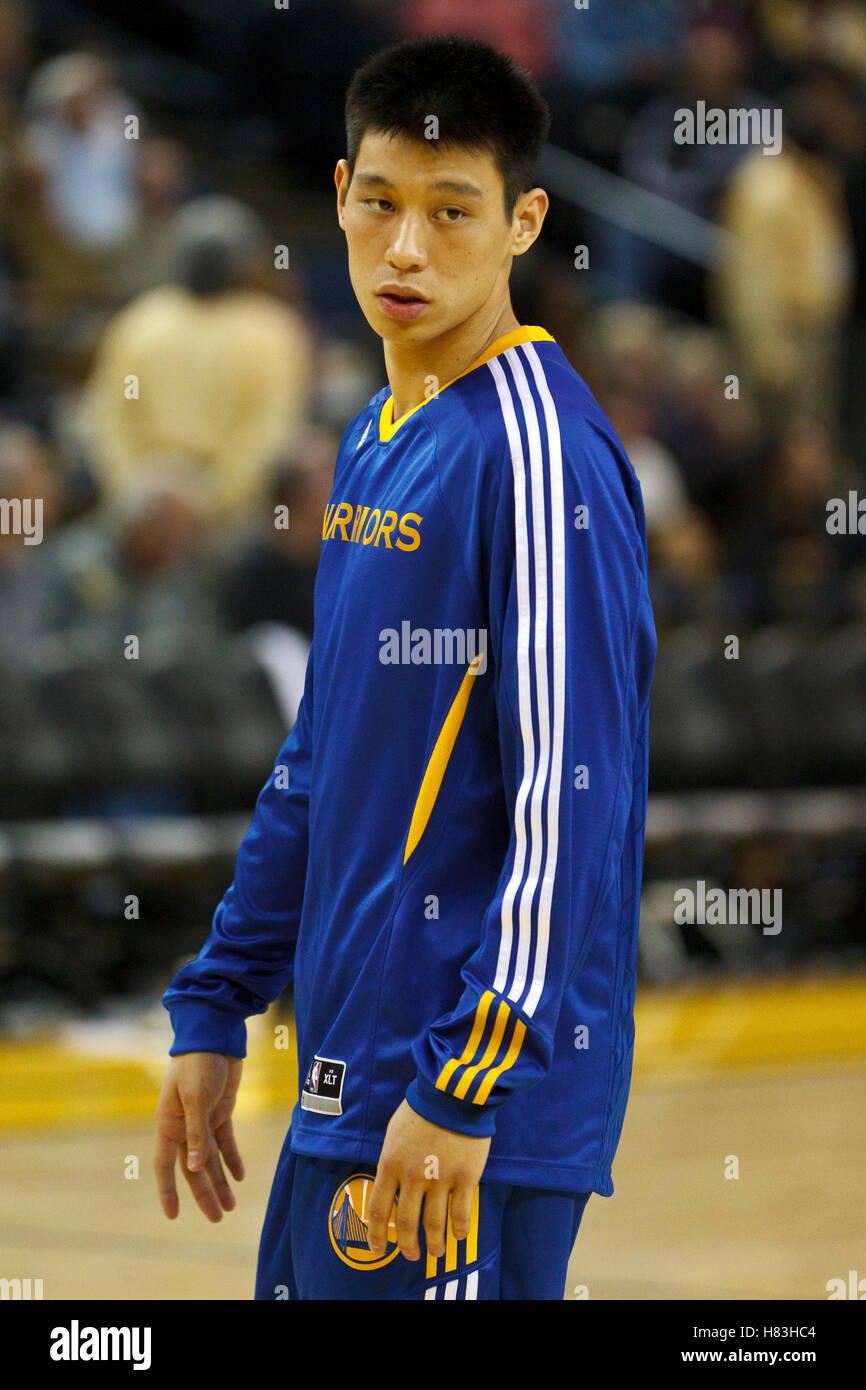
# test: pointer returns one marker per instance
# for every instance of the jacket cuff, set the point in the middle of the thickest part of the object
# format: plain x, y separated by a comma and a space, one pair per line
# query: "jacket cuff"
461, 1116
199, 1027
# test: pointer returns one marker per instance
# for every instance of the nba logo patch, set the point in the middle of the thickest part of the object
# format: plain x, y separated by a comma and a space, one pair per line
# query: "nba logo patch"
347, 1225
323, 1088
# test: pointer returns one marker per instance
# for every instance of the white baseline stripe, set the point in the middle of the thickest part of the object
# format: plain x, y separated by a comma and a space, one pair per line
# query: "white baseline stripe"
557, 545
524, 696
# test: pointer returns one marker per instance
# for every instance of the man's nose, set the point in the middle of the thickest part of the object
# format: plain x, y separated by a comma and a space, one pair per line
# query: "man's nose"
407, 250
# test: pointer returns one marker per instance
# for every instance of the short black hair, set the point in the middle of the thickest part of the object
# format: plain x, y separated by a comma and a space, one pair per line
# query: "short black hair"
480, 97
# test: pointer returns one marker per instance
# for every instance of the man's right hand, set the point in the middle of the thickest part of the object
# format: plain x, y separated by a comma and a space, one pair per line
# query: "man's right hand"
193, 1117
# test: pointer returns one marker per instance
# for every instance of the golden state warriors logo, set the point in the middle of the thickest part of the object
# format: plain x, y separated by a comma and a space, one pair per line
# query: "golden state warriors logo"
347, 1225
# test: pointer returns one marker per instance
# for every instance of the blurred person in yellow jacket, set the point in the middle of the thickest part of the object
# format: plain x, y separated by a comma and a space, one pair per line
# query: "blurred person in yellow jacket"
798, 30
209, 367
784, 287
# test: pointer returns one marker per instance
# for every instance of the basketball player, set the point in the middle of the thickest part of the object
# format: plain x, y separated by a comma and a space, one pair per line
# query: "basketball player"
446, 860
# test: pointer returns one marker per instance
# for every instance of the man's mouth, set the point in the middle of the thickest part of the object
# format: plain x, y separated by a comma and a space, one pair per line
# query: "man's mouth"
399, 303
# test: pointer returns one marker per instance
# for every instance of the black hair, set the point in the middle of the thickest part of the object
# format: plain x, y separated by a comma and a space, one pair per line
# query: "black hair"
481, 98
215, 242
206, 269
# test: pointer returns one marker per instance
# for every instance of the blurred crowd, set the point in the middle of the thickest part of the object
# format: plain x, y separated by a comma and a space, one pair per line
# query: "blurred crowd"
179, 350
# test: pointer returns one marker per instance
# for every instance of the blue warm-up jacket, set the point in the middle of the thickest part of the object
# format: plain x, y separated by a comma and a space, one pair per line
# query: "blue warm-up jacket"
447, 857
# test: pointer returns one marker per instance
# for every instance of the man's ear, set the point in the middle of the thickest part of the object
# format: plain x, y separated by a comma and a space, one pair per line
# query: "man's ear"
342, 179
527, 220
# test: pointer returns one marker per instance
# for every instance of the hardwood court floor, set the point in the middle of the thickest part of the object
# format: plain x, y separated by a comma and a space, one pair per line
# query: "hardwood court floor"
705, 1092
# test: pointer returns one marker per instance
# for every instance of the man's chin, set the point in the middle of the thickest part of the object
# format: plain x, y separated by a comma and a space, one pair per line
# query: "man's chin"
393, 331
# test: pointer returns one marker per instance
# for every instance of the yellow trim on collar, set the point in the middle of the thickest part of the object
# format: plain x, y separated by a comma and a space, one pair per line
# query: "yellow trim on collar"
388, 426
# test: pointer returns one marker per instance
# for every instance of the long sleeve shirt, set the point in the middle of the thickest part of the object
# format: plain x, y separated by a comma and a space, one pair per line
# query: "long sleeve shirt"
447, 857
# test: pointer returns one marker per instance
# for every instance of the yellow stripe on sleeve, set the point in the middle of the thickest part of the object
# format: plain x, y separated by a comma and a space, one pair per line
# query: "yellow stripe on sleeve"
481, 1010
490, 1052
490, 1079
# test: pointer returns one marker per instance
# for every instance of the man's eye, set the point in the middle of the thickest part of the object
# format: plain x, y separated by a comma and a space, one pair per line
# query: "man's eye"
446, 214
377, 204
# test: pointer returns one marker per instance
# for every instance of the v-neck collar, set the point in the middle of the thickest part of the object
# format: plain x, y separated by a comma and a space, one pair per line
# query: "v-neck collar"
388, 426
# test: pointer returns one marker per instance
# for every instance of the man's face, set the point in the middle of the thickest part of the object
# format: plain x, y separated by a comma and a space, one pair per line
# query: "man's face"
427, 236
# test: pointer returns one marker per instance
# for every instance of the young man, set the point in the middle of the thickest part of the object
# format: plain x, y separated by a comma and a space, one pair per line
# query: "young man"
447, 859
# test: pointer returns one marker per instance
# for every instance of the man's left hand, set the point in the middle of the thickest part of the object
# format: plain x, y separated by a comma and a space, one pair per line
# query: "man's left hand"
425, 1162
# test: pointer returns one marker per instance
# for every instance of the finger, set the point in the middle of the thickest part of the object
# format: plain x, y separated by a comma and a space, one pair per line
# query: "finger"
225, 1138
202, 1191
163, 1166
461, 1211
435, 1217
198, 1135
379, 1209
409, 1219
219, 1183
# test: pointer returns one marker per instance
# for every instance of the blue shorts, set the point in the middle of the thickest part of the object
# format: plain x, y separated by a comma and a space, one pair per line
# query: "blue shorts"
314, 1246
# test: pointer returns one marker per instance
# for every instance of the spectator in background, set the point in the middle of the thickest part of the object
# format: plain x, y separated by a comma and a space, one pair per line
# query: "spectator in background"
783, 566
683, 547
81, 147
713, 432
14, 337
271, 580
620, 46
854, 160
15, 51
663, 489
664, 386
785, 285
522, 28
15, 55
162, 180
610, 58
222, 369
72, 187
138, 566
621, 352
800, 30
713, 65
805, 566
714, 60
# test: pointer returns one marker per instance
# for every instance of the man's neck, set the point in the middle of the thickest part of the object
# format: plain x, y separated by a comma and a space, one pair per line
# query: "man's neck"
410, 368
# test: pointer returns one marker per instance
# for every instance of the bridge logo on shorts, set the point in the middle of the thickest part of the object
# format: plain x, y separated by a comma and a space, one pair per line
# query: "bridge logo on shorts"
347, 1225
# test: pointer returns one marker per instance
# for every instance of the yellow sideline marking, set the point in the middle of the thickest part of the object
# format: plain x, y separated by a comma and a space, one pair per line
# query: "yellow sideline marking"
679, 1033
778, 1022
